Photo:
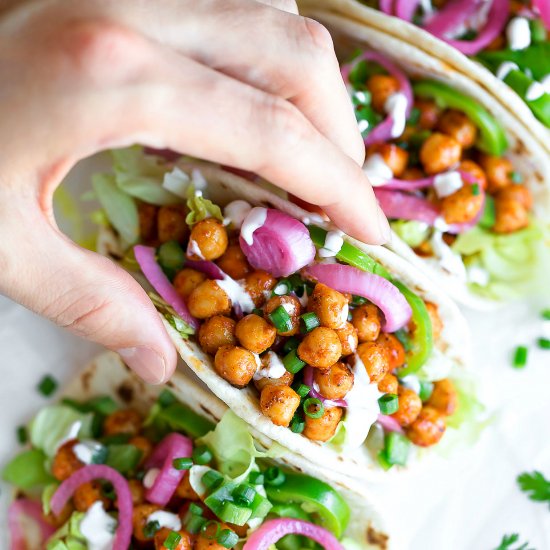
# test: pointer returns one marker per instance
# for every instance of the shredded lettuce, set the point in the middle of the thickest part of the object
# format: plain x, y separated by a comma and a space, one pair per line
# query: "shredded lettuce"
68, 536
413, 232
70, 219
28, 470
47, 495
200, 208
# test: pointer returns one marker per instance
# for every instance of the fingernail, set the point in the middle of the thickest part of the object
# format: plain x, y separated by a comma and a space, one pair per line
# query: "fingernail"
384, 226
145, 362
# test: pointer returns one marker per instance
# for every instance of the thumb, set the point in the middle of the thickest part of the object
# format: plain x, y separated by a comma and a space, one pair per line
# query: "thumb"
87, 294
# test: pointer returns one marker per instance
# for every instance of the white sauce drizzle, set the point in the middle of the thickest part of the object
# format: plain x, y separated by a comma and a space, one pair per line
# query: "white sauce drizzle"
333, 244
150, 477
396, 107
85, 450
98, 527
518, 33
447, 183
545, 82
505, 68
412, 382
237, 294
377, 170
363, 125
545, 329
194, 249
199, 180
177, 182
448, 260
344, 316
478, 275
72, 433
312, 217
274, 367
535, 90
166, 519
440, 224
254, 220
427, 7
235, 212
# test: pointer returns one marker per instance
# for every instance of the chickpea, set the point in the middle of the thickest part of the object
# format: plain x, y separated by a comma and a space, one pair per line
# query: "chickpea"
437, 323
255, 333
292, 307
234, 262
394, 156
205, 543
348, 338
137, 491
259, 285
139, 519
184, 489
185, 543
376, 359
366, 319
334, 383
285, 380
510, 216
320, 348
439, 152
210, 237
323, 428
88, 493
236, 365
125, 421
499, 172
444, 397
395, 349
279, 403
144, 445
474, 170
208, 299
329, 305
518, 193
428, 428
171, 224
457, 125
388, 384
429, 113
147, 221
409, 406
65, 463
381, 87
187, 280
61, 518
461, 206
216, 332
412, 173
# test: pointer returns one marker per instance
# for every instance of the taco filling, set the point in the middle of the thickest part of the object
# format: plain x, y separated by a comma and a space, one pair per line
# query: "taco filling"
438, 162
111, 477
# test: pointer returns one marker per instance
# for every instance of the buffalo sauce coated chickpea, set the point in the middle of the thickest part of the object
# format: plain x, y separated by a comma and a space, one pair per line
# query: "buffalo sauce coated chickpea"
457, 125
395, 349
137, 490
125, 421
144, 445
429, 113
335, 382
412, 173
187, 280
184, 489
207, 541
65, 462
435, 319
259, 285
88, 493
381, 87
208, 299
140, 516
234, 262
410, 406
255, 333
444, 397
439, 152
323, 428
366, 319
461, 206
394, 156
348, 338
185, 543
320, 348
428, 428
210, 237
518, 193
147, 221
235, 364
279, 403
215, 332
510, 215
474, 170
171, 224
498, 170
285, 380
388, 384
330, 306
292, 306
376, 359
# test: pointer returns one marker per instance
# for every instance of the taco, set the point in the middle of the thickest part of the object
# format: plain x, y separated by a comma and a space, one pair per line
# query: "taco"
337, 350
120, 464
501, 44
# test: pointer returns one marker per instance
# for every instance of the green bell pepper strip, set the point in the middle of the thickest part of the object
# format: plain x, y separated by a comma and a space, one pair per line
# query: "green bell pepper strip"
492, 138
317, 496
182, 418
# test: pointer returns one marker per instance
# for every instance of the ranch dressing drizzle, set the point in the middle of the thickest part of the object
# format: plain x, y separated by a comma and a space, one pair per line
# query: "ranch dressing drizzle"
449, 260
193, 249
377, 170
235, 213
237, 294
535, 90
254, 220
396, 108
273, 369
504, 68
85, 451
518, 33
98, 527
333, 244
165, 519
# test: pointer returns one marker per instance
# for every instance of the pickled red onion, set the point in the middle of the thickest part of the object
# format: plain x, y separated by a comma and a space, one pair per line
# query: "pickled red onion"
210, 269
308, 381
26, 508
386, 6
389, 423
451, 17
404, 9
543, 7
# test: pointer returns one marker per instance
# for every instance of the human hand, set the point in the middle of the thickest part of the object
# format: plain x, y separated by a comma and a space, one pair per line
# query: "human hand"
238, 82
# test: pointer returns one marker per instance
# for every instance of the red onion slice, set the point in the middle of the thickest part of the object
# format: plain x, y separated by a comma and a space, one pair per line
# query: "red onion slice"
65, 491
24, 508
172, 446
210, 269
145, 257
404, 9
389, 424
281, 245
345, 278
451, 17
543, 7
422, 183
308, 381
386, 6
275, 529
167, 154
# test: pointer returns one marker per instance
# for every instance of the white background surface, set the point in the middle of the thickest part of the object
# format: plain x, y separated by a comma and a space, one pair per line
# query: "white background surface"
468, 506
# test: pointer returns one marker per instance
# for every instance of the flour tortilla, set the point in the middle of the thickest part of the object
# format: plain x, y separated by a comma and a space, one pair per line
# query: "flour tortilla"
423, 40
453, 346
107, 375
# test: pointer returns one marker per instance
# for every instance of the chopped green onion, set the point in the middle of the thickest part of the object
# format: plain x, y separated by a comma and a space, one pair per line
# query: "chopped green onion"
47, 385
388, 403
297, 424
108, 491
358, 301
172, 540
231, 512
544, 343
290, 344
475, 189
274, 476
194, 524
520, 357
150, 529
256, 478
183, 463
244, 495
212, 479
195, 509
201, 455
488, 218
282, 287
516, 177
100, 456
258, 311
414, 117
302, 390
426, 389
227, 538
206, 527
396, 448
22, 435
171, 256
309, 321
545, 314
538, 30
316, 404
166, 398
281, 319
293, 363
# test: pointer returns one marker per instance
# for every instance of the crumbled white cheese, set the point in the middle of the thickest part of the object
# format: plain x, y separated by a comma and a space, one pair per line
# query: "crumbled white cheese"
518, 33
504, 68
98, 527
535, 90
396, 107
165, 519
85, 451
150, 477
412, 382
447, 183
377, 170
